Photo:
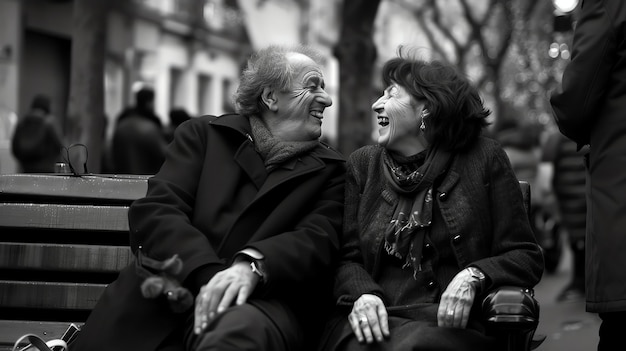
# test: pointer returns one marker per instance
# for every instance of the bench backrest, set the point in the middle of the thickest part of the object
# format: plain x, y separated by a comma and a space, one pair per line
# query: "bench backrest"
62, 240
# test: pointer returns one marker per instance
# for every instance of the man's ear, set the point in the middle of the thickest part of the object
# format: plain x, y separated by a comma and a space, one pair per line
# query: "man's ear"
269, 99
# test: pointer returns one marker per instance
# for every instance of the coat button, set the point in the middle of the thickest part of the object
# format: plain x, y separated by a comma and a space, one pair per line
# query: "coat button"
443, 196
431, 283
456, 238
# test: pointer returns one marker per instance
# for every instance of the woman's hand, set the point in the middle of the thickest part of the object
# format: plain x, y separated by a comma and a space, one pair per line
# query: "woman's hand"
368, 319
456, 301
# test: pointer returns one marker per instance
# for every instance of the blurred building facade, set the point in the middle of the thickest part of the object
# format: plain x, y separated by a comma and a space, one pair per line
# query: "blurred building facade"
312, 22
190, 51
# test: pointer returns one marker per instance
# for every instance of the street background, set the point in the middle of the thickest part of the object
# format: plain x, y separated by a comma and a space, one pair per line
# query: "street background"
566, 325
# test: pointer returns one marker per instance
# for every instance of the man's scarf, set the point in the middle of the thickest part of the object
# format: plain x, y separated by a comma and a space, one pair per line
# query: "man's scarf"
273, 150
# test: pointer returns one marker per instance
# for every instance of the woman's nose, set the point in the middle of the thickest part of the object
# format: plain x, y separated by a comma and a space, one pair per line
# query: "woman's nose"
379, 105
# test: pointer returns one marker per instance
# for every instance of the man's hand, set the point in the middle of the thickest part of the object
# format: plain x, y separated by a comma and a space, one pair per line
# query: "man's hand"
238, 281
368, 319
456, 301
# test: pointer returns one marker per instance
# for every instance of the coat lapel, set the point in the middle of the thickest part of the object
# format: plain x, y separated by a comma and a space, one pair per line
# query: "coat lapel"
251, 163
248, 220
246, 156
290, 170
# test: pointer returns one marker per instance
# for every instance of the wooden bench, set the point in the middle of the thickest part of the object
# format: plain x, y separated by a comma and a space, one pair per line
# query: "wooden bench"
62, 240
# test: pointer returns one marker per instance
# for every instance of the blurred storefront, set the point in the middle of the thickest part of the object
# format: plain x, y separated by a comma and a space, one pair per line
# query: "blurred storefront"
190, 51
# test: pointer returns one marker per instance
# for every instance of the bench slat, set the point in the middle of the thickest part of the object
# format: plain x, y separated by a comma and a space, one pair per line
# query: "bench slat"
55, 216
67, 296
57, 257
127, 187
13, 330
62, 239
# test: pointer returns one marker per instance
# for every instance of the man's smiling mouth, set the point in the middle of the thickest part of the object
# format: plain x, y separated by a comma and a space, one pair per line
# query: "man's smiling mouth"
317, 114
383, 121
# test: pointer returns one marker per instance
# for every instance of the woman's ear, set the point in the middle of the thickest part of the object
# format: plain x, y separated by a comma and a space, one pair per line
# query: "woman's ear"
269, 99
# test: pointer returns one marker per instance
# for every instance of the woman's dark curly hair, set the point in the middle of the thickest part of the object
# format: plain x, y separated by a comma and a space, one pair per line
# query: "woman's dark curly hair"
267, 68
456, 113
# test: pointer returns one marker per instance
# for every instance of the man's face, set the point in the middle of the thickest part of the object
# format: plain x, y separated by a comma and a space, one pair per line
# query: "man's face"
300, 109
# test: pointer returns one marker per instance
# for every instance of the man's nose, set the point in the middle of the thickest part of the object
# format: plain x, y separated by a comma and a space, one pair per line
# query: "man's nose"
324, 98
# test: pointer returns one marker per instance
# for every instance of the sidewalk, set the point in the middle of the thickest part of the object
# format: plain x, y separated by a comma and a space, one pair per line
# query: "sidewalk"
566, 325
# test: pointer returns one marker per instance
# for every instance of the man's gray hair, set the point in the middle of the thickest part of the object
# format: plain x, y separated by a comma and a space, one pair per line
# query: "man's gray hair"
268, 68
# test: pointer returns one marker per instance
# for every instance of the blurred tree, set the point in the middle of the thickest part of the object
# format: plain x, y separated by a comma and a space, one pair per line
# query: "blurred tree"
502, 45
356, 54
86, 120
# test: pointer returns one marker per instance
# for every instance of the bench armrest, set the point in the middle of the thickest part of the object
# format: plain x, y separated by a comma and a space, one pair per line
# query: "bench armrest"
511, 315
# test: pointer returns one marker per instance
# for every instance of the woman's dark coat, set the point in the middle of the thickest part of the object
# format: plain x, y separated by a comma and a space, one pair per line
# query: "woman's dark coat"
591, 109
212, 198
483, 217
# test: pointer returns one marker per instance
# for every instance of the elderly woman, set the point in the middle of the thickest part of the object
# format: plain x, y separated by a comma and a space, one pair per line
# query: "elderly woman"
434, 218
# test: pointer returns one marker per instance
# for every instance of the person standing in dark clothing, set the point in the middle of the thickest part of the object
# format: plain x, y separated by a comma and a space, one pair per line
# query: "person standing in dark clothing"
37, 142
566, 179
591, 109
177, 116
138, 145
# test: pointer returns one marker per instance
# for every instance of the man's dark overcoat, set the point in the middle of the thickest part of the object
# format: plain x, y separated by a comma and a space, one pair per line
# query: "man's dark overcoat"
591, 109
212, 198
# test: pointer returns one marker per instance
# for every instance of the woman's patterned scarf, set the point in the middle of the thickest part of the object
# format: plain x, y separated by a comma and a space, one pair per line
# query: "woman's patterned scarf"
404, 237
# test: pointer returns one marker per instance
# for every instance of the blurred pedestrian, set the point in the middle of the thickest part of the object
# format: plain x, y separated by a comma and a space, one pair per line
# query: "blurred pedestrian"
37, 143
177, 116
563, 175
521, 146
138, 145
591, 109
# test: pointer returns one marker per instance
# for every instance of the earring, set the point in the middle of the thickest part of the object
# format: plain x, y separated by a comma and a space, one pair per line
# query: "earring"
424, 114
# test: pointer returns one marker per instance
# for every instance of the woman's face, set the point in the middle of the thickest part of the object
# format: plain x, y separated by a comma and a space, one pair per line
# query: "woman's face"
398, 117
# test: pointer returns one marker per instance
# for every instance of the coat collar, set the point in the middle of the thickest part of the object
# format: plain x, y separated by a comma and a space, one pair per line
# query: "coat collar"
241, 124
250, 161
233, 121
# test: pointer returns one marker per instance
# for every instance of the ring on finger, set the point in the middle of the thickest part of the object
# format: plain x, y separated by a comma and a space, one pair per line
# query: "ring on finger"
363, 320
450, 313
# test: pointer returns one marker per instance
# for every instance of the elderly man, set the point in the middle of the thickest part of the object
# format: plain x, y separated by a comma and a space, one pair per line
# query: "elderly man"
251, 203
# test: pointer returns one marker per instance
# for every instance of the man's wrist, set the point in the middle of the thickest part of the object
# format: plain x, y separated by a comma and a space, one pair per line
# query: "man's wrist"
255, 266
255, 260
